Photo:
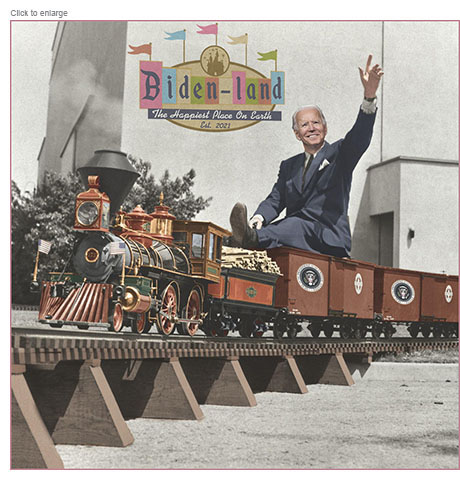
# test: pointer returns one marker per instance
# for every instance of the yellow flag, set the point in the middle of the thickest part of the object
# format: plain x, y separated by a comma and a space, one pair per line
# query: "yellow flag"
240, 39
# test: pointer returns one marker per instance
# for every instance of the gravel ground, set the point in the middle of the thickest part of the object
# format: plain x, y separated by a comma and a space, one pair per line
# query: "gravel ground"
399, 416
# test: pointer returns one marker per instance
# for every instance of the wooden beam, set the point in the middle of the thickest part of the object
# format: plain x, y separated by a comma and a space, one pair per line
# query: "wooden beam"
218, 381
31, 443
77, 405
327, 369
273, 374
152, 389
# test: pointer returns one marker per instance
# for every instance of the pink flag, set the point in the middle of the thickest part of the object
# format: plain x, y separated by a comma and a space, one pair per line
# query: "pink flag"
212, 29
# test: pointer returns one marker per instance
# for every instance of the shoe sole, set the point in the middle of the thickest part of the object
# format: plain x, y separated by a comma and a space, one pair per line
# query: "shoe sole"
238, 221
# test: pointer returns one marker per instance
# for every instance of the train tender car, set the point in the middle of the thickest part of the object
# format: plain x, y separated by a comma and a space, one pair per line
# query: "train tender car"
243, 300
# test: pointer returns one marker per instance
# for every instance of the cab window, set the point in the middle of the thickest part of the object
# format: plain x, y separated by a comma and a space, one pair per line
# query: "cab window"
197, 245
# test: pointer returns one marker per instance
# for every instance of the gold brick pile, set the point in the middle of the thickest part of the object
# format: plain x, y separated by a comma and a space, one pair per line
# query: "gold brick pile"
233, 257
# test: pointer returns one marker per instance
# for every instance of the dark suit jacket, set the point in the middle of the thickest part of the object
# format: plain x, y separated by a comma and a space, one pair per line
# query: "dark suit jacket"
326, 193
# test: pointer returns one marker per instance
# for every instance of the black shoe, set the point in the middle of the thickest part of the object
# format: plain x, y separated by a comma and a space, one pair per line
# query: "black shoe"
243, 235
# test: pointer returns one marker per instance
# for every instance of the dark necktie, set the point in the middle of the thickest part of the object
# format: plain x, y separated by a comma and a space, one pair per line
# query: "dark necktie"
305, 168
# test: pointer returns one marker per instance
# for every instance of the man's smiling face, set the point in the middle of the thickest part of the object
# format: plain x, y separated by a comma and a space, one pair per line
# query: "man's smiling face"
311, 130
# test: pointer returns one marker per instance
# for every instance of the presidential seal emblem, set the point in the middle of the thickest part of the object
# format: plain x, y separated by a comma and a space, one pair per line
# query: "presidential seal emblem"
448, 294
310, 277
402, 292
358, 283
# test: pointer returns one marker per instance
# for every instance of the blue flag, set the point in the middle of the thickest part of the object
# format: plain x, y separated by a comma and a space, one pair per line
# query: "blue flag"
179, 35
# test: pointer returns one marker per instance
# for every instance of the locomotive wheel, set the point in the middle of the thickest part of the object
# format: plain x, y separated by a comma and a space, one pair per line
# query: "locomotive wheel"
426, 330
376, 330
292, 330
169, 308
413, 330
360, 330
388, 331
345, 331
256, 333
447, 331
148, 323
192, 311
315, 330
278, 329
116, 318
218, 332
139, 323
246, 328
437, 330
328, 329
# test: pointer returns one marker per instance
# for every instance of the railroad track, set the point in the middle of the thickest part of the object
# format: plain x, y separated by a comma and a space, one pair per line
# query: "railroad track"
38, 345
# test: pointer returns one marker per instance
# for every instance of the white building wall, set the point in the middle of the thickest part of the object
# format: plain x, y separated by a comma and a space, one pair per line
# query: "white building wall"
429, 206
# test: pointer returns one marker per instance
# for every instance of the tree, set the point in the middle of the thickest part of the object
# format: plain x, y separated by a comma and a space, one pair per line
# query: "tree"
48, 214
177, 193
45, 214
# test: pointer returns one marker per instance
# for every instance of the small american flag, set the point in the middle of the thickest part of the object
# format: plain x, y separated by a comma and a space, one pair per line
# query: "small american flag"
44, 246
116, 248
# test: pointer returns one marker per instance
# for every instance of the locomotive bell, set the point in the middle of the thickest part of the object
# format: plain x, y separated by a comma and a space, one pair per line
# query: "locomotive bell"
116, 174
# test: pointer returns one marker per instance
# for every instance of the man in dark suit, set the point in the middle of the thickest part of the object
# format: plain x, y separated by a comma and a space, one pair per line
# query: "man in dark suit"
313, 186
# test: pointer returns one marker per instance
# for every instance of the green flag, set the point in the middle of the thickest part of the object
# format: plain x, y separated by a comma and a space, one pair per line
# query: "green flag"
269, 55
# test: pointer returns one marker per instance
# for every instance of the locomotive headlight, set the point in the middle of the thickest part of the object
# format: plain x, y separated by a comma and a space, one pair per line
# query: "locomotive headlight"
87, 213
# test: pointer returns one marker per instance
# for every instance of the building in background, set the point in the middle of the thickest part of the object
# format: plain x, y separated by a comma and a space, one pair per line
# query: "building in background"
86, 93
404, 200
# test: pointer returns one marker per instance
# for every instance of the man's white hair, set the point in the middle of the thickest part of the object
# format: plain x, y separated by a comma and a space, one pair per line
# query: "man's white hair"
306, 107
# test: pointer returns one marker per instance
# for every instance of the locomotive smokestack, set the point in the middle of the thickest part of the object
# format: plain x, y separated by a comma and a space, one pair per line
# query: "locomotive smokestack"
117, 175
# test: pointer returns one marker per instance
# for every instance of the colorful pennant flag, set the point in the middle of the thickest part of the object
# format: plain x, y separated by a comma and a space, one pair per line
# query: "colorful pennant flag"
179, 35
116, 248
146, 48
44, 246
273, 55
208, 29
240, 39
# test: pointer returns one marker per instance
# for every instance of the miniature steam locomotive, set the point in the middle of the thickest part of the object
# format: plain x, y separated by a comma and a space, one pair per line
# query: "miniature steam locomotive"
147, 269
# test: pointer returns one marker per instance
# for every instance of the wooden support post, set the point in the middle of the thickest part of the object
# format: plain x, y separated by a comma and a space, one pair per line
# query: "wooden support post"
358, 364
31, 443
152, 389
77, 405
218, 381
273, 374
328, 369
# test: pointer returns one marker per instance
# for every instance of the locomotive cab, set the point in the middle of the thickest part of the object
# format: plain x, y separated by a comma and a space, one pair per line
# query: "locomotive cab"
202, 241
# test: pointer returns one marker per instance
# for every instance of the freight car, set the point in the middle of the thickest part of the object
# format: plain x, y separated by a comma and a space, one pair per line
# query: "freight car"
353, 298
137, 269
